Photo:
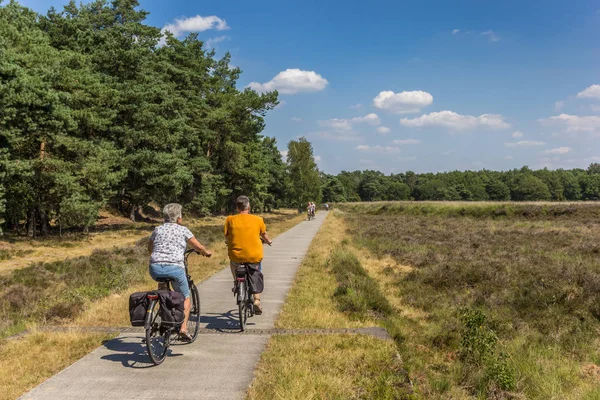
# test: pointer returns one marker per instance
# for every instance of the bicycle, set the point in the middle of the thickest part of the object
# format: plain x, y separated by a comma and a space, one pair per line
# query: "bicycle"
245, 299
158, 335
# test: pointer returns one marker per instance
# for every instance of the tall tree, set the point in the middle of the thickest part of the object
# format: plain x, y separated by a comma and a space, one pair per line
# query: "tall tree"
304, 174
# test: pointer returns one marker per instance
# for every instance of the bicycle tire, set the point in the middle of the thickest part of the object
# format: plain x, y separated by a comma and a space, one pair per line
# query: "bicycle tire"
242, 305
193, 324
157, 343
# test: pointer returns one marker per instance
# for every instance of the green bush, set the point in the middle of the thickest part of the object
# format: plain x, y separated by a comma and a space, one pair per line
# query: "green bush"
357, 293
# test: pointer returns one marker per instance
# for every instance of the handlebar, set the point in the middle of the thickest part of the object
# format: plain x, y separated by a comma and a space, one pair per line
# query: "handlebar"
190, 251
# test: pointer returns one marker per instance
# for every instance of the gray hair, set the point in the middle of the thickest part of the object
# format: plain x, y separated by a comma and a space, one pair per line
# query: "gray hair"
171, 212
242, 203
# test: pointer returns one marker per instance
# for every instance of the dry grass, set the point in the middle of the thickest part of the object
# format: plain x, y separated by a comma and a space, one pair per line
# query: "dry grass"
28, 251
310, 302
27, 362
328, 367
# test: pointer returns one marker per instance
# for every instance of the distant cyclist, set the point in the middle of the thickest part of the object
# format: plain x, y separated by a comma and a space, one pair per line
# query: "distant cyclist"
244, 234
167, 246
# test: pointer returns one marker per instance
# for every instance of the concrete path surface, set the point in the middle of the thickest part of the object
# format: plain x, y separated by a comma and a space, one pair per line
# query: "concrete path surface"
216, 366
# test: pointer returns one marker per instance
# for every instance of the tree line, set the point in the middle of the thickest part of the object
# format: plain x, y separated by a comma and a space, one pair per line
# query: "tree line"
518, 185
98, 108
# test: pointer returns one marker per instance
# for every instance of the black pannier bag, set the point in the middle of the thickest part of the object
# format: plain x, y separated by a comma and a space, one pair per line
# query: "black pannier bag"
171, 307
256, 278
138, 305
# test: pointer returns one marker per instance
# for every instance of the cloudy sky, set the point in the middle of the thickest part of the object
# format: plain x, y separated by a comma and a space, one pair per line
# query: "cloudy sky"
422, 86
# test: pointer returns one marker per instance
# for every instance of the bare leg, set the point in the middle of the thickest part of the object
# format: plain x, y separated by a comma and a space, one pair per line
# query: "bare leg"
187, 306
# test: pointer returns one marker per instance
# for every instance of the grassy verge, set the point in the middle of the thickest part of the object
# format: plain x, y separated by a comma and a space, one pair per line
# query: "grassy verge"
331, 290
328, 367
91, 291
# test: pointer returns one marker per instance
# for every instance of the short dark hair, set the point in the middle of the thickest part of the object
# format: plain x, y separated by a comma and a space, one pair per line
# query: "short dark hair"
242, 203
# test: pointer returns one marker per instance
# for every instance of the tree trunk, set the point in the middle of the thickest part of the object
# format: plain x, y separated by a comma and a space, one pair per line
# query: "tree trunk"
132, 211
31, 224
44, 223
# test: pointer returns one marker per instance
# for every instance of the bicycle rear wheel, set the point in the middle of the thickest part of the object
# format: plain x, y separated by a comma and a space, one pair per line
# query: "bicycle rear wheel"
193, 324
157, 338
242, 305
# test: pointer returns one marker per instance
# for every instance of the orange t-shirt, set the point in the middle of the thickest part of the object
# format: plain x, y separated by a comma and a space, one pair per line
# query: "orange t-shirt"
243, 238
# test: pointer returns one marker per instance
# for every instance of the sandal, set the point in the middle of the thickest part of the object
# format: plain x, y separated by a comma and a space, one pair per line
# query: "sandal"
185, 337
257, 307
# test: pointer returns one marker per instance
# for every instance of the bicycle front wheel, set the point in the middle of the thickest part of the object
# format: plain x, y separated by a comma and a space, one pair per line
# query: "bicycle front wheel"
157, 338
193, 324
242, 305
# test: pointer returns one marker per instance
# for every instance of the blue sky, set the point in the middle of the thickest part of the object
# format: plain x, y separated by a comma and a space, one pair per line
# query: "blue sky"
419, 85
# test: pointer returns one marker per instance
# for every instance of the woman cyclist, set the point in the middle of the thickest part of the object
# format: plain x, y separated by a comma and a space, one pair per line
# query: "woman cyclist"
167, 246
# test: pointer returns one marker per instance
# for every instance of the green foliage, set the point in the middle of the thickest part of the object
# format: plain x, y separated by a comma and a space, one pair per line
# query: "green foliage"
519, 185
529, 188
97, 107
479, 349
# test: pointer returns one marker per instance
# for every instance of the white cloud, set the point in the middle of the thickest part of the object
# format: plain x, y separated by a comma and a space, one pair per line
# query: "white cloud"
282, 103
558, 150
195, 24
210, 43
574, 123
403, 102
346, 136
383, 130
452, 120
378, 148
491, 35
284, 154
406, 141
371, 119
292, 81
455, 31
296, 119
517, 134
355, 106
317, 158
559, 105
341, 124
524, 143
337, 124
592, 92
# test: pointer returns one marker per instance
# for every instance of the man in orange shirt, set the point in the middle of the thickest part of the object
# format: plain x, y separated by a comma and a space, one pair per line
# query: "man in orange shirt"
244, 234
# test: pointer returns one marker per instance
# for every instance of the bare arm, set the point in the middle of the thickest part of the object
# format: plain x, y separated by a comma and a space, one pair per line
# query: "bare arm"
196, 245
150, 246
265, 237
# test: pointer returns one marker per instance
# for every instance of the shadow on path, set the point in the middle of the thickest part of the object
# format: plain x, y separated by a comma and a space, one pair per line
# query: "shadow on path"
130, 355
227, 322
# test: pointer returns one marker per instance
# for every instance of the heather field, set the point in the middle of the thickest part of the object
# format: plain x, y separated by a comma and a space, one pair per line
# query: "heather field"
500, 298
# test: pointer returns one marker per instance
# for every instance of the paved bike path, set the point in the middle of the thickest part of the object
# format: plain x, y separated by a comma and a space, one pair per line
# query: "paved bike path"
216, 366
